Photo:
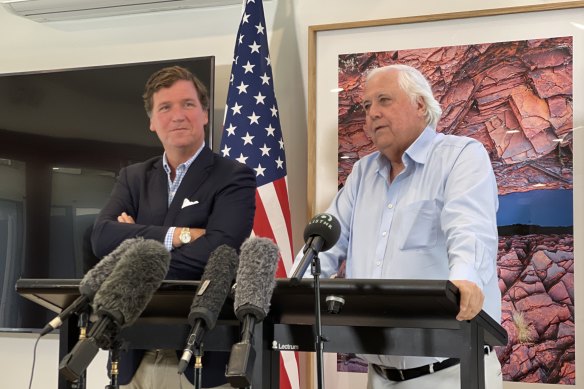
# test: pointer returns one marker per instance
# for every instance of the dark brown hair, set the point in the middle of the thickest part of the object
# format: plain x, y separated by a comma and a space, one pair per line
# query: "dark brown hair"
165, 78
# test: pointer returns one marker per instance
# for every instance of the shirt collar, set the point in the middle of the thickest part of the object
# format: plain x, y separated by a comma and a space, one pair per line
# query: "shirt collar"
419, 150
185, 165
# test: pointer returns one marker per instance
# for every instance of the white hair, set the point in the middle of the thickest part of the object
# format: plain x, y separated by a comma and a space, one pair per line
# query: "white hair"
415, 85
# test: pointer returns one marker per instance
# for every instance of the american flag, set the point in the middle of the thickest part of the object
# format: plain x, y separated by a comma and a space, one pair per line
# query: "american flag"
252, 135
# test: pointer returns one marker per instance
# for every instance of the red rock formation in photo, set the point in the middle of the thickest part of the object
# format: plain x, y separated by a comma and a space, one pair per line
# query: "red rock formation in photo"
514, 97
536, 278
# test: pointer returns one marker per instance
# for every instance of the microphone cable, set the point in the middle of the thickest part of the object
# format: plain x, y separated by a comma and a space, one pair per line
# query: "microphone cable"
34, 352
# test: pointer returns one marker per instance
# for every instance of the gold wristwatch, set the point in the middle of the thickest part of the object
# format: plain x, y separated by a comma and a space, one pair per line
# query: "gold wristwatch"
185, 235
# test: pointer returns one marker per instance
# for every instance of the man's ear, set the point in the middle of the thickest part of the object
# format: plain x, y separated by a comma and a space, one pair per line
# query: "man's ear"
421, 106
206, 116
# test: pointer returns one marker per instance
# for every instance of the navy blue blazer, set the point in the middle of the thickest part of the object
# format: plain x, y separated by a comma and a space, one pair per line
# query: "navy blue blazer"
220, 197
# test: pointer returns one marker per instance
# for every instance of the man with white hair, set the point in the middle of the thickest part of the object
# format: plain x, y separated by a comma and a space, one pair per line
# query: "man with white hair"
423, 206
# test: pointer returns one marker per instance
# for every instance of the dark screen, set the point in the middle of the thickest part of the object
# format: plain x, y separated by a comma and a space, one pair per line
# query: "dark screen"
64, 135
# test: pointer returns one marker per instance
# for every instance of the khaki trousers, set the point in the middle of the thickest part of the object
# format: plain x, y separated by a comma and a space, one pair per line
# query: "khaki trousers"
448, 378
158, 370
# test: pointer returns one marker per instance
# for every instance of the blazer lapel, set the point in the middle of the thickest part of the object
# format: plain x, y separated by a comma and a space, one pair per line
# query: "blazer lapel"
157, 192
191, 182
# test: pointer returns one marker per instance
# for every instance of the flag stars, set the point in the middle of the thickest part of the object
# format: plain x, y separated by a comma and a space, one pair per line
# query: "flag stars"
259, 98
270, 130
247, 139
231, 129
255, 48
242, 88
241, 158
259, 170
280, 163
248, 67
253, 118
265, 150
237, 108
265, 79
252, 98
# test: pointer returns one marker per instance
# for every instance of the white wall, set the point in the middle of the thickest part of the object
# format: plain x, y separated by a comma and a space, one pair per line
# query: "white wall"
16, 360
27, 46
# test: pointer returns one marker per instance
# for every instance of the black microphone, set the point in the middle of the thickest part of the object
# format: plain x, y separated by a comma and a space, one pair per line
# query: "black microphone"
209, 298
321, 233
89, 285
120, 300
253, 291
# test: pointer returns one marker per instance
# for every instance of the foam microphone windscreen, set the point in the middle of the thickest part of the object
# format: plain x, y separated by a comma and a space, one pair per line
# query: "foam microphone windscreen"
92, 281
215, 285
256, 278
131, 285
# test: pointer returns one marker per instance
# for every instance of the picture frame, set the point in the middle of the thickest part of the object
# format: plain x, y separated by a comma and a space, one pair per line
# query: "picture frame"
326, 42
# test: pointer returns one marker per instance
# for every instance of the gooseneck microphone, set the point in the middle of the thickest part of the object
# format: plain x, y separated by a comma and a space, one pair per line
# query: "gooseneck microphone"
89, 285
321, 233
209, 298
253, 291
120, 300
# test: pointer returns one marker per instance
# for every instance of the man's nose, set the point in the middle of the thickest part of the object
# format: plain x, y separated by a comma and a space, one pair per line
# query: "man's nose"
374, 111
178, 114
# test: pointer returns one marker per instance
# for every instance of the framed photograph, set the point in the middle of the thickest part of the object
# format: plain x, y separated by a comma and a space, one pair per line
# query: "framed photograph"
512, 78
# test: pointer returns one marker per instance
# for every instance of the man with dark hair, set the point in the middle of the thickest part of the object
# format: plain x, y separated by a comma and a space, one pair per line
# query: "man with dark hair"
423, 206
190, 198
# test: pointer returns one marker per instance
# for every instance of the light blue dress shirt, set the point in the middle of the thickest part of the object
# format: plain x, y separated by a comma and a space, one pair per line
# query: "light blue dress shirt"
436, 220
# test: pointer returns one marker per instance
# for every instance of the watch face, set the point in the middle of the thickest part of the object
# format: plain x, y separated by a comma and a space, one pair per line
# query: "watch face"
185, 236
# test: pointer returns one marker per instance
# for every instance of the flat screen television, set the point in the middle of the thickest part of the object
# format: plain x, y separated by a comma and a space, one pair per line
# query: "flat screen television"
64, 135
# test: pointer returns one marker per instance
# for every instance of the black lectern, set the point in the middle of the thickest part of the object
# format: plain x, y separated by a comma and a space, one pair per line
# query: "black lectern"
400, 317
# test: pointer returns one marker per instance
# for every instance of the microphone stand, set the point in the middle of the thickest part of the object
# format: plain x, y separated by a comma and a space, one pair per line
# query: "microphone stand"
82, 323
319, 339
114, 369
198, 369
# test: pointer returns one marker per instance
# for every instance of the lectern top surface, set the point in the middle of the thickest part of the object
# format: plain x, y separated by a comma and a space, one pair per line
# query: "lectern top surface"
368, 302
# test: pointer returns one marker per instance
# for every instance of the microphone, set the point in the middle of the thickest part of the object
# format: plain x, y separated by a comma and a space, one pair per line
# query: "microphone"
253, 291
321, 233
120, 300
89, 285
209, 298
